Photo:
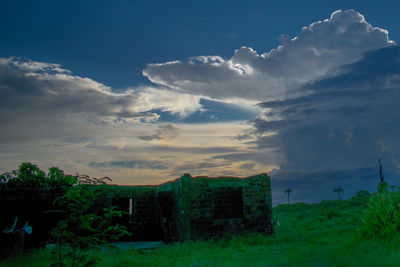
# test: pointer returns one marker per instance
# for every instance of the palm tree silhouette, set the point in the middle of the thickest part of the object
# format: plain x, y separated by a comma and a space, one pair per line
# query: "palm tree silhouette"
288, 191
338, 190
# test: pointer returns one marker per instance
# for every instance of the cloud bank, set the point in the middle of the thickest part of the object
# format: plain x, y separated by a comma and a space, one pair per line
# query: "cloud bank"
318, 49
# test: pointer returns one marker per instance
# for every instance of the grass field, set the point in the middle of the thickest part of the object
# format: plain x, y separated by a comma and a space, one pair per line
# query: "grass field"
322, 234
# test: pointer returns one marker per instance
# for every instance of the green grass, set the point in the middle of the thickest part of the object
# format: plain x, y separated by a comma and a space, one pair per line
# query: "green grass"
322, 234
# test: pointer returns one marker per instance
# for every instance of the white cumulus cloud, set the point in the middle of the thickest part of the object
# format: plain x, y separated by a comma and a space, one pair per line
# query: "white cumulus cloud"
318, 48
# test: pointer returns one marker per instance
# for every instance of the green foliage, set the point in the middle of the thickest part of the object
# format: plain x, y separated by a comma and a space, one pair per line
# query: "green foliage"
29, 175
361, 196
382, 218
82, 228
382, 187
56, 177
307, 237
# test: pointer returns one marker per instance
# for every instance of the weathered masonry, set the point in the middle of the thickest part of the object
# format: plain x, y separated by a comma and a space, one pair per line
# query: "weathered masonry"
191, 208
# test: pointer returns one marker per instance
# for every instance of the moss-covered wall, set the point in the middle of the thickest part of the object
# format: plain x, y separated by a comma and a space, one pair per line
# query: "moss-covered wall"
228, 205
198, 207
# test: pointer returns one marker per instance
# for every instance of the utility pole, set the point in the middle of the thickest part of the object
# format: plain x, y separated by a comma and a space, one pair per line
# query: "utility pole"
380, 171
288, 191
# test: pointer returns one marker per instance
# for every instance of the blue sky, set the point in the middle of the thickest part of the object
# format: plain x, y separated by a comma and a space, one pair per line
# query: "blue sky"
111, 42
145, 91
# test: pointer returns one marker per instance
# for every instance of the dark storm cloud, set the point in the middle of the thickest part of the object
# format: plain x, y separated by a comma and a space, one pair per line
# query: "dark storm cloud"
377, 69
346, 121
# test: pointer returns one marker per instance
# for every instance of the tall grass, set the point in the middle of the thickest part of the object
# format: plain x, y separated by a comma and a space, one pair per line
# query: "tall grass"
382, 217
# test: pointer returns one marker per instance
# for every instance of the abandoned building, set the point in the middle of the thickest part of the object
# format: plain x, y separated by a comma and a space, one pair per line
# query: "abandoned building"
188, 208
191, 208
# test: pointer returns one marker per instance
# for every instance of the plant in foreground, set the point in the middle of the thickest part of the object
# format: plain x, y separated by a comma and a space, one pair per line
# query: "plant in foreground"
382, 217
82, 228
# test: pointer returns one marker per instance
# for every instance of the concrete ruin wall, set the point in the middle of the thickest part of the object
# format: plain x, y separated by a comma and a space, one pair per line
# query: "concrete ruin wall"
191, 208
230, 205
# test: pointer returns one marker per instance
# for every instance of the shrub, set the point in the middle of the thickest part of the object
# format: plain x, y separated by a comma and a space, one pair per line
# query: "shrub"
83, 229
382, 217
360, 199
79, 227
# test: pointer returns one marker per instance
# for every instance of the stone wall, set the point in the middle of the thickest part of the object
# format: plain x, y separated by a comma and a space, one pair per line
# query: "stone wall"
228, 205
191, 208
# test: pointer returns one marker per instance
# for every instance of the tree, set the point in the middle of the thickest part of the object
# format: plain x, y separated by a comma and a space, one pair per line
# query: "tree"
82, 228
338, 190
288, 191
29, 175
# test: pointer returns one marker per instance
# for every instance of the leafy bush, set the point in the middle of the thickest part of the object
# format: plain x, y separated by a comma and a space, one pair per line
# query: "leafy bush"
82, 228
382, 217
361, 198
29, 175
79, 227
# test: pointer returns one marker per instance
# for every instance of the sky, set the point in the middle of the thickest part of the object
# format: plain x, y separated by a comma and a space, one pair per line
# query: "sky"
144, 91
